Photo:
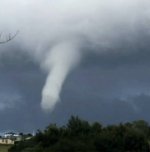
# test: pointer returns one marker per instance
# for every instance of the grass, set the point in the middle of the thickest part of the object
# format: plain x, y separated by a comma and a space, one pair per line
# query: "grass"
4, 148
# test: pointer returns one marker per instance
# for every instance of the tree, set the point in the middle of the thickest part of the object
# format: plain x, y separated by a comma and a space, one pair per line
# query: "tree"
142, 127
81, 136
7, 38
78, 127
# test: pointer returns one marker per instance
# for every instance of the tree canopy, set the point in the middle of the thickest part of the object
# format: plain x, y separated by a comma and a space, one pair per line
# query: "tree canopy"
7, 38
81, 136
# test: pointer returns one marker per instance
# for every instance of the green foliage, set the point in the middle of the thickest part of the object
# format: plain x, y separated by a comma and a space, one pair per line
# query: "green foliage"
4, 148
80, 136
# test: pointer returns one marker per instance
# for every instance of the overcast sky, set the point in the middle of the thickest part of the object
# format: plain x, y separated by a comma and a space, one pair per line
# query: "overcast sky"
112, 86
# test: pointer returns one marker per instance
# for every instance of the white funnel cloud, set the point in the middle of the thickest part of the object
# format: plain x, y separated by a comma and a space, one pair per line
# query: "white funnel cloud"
59, 61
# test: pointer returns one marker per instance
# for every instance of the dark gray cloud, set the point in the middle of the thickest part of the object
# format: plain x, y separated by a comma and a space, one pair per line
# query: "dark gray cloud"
112, 90
110, 85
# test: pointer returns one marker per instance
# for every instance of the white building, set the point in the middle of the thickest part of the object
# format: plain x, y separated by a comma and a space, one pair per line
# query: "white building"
6, 141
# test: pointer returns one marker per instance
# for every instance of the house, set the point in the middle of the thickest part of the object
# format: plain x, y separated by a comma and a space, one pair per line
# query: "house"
10, 138
7, 141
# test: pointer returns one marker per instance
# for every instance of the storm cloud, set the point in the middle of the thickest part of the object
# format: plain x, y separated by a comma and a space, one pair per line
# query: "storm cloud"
108, 39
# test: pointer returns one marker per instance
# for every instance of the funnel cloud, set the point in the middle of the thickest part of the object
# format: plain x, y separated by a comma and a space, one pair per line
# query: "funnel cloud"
57, 34
61, 59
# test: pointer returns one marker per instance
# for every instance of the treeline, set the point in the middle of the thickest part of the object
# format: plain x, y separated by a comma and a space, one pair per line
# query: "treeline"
81, 136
